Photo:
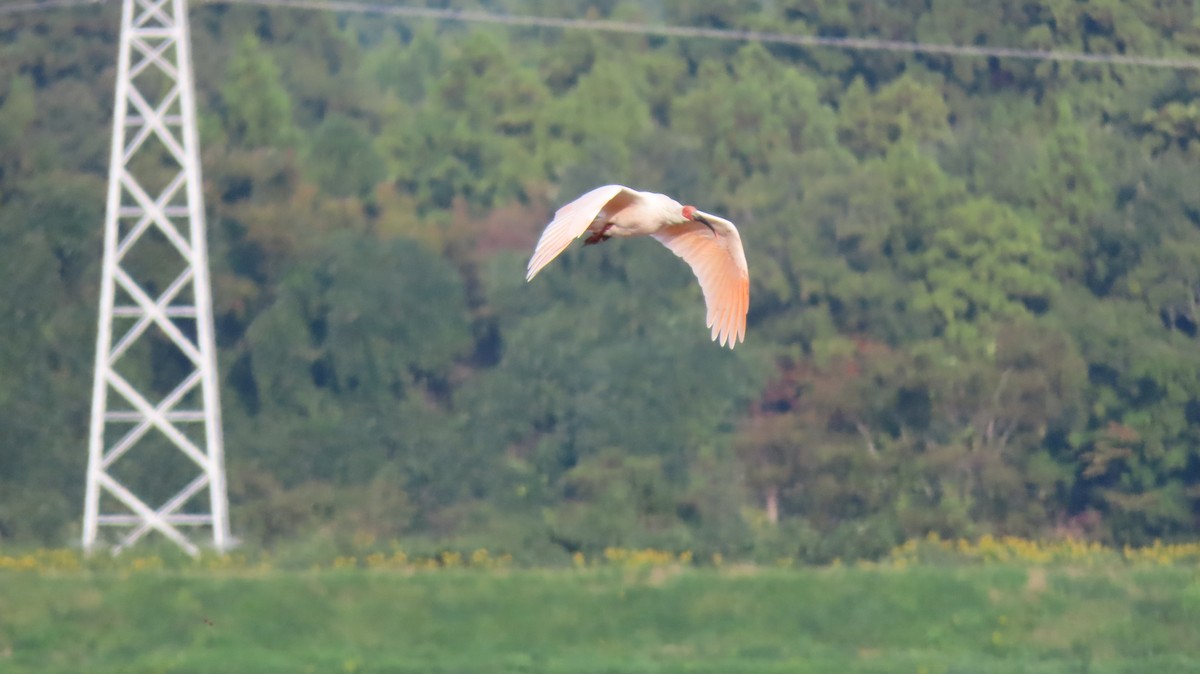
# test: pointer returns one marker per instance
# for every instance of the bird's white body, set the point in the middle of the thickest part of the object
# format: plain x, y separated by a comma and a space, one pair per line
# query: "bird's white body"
709, 244
643, 216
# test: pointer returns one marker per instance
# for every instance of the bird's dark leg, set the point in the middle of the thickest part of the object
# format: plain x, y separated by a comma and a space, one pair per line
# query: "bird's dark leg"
598, 237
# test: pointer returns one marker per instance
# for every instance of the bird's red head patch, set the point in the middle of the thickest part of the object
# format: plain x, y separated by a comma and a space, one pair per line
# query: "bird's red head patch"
689, 212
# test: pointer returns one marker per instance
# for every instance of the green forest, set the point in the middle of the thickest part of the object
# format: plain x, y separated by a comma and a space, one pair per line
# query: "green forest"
975, 297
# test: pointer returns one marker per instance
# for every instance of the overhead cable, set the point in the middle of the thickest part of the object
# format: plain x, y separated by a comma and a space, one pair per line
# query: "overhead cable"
631, 28
42, 5
601, 25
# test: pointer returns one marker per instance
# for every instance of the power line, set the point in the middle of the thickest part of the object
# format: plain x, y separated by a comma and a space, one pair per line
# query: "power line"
45, 5
861, 44
608, 26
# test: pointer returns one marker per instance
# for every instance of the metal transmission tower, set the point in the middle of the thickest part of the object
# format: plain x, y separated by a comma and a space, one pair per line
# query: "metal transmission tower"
156, 383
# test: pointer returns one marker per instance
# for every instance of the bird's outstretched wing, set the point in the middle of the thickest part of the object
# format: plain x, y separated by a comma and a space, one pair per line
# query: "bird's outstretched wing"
716, 257
572, 220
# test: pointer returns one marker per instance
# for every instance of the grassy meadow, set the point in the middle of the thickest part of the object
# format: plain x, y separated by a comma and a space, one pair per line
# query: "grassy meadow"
931, 609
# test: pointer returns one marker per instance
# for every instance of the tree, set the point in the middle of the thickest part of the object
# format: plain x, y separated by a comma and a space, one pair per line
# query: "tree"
584, 373
258, 108
904, 110
17, 113
346, 367
474, 135
981, 266
342, 159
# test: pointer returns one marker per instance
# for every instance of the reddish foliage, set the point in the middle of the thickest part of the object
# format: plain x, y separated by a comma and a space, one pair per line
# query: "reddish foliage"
514, 226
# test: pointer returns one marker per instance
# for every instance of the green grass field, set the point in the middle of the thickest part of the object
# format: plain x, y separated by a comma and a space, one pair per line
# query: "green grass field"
986, 618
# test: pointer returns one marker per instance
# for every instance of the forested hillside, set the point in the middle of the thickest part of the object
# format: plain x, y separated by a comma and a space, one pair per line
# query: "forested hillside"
975, 282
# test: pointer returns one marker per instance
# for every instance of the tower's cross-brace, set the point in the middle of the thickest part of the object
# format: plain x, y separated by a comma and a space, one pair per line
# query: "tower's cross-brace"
155, 298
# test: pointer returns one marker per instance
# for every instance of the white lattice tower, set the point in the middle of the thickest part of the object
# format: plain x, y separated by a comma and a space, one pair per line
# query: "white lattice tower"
156, 425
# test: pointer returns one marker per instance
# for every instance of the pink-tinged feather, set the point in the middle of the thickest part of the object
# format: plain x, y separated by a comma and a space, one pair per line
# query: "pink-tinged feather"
719, 266
570, 222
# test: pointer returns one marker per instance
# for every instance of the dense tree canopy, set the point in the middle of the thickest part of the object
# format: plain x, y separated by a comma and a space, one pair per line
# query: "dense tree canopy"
975, 301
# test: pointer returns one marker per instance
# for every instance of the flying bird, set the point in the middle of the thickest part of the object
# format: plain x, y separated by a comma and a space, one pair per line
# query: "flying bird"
709, 244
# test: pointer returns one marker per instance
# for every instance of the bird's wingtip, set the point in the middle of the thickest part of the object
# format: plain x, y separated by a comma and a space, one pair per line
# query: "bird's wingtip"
727, 339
